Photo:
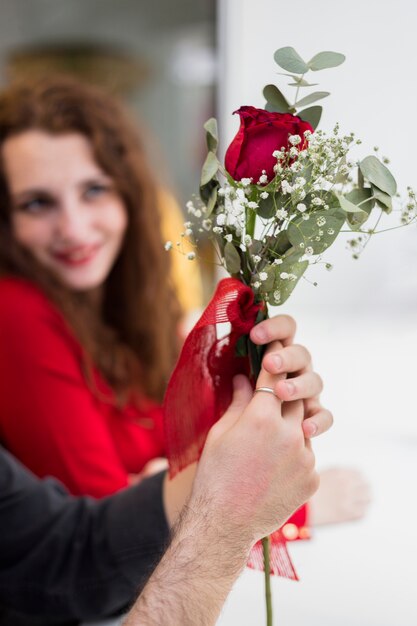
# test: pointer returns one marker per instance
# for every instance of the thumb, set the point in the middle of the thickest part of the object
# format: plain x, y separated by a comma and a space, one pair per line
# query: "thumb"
242, 395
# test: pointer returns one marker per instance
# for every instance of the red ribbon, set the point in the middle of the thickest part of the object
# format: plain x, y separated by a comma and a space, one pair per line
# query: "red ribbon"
200, 390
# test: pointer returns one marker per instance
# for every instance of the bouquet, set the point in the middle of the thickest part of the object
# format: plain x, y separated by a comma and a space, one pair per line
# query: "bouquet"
285, 193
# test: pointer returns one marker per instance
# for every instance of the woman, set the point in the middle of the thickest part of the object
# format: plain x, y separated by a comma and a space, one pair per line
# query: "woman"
88, 315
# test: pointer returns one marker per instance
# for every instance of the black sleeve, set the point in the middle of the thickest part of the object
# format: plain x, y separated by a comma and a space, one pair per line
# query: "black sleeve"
75, 558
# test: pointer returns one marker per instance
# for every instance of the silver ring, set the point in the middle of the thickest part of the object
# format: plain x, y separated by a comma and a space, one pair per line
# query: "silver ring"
267, 389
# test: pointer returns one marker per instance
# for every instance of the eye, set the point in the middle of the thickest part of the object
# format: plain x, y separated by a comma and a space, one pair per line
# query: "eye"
95, 190
35, 205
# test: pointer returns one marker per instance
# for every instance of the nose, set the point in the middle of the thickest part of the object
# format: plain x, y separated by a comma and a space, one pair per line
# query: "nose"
71, 222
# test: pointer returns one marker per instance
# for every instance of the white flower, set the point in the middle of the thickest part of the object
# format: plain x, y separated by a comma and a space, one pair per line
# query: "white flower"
206, 224
228, 238
168, 245
301, 207
242, 247
286, 187
248, 240
277, 262
264, 195
306, 216
276, 154
321, 221
217, 230
256, 258
188, 232
198, 213
245, 182
293, 152
263, 276
307, 134
221, 219
317, 202
263, 179
278, 169
284, 275
191, 256
190, 206
292, 276
256, 284
253, 205
187, 224
300, 182
294, 140
309, 251
281, 214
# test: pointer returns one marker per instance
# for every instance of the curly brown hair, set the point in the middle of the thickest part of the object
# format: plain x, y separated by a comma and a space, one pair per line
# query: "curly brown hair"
133, 339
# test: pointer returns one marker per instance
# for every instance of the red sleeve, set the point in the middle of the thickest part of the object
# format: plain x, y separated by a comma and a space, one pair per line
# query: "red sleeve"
48, 417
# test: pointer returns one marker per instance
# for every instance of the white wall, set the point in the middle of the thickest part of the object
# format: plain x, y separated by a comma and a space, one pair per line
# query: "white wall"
361, 321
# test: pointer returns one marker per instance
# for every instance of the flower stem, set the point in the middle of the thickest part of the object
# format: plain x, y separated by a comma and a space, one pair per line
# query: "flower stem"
268, 597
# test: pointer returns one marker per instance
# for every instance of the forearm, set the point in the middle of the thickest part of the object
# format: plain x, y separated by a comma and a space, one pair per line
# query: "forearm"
193, 579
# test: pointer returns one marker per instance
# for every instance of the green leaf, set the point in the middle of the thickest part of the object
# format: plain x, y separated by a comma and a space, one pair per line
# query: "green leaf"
290, 60
349, 206
312, 97
376, 173
232, 258
279, 244
364, 197
212, 201
275, 98
268, 284
306, 233
210, 167
383, 200
311, 115
298, 80
268, 207
324, 60
212, 136
286, 287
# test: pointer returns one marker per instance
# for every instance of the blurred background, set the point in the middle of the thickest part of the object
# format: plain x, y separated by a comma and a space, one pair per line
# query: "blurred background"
176, 64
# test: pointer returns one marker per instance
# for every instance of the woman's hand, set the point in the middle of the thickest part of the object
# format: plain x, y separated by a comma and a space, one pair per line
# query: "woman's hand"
297, 380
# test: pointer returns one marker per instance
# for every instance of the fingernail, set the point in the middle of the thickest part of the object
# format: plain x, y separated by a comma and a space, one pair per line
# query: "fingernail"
260, 334
311, 429
277, 360
290, 388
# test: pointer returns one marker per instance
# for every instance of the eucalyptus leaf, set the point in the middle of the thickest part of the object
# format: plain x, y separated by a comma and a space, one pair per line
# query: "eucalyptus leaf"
274, 97
306, 233
255, 247
311, 115
285, 287
376, 173
312, 97
279, 244
290, 60
212, 201
298, 80
383, 200
349, 206
363, 197
268, 284
324, 60
268, 207
210, 168
212, 136
232, 258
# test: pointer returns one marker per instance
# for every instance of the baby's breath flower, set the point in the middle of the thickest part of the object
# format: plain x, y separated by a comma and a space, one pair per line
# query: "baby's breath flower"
217, 230
207, 224
221, 219
264, 195
286, 187
284, 275
294, 140
277, 262
309, 251
263, 178
253, 205
191, 256
245, 181
263, 276
187, 224
317, 202
229, 238
306, 216
168, 245
281, 214
321, 221
293, 152
256, 284
248, 240
256, 258
198, 213
188, 232
301, 207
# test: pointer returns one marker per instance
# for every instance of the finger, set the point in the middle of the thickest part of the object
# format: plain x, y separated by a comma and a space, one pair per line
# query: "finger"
300, 387
318, 424
293, 411
293, 358
267, 403
242, 395
281, 327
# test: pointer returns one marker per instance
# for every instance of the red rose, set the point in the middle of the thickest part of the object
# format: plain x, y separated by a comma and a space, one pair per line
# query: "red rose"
259, 135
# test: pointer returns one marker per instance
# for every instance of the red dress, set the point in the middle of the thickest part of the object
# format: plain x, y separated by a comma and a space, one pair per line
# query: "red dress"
49, 417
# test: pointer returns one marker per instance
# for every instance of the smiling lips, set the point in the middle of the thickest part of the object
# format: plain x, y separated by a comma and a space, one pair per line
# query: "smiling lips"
79, 255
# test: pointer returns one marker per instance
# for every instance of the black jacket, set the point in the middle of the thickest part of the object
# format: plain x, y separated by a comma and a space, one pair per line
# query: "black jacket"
65, 559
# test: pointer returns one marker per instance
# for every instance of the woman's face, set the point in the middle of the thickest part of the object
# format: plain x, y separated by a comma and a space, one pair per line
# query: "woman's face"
65, 209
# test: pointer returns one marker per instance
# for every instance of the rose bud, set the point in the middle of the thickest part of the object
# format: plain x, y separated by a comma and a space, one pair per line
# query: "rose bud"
259, 135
